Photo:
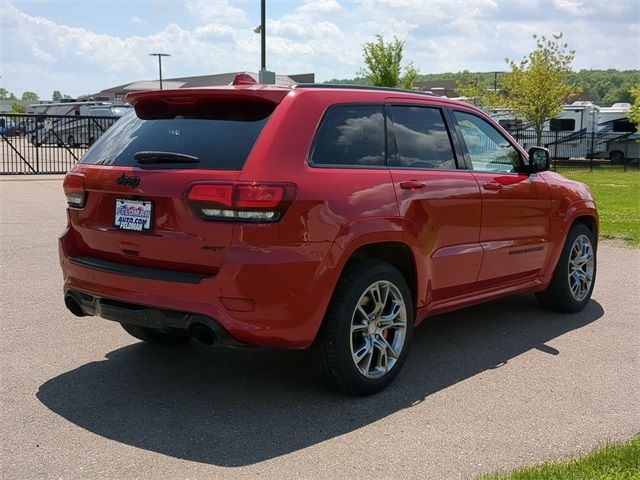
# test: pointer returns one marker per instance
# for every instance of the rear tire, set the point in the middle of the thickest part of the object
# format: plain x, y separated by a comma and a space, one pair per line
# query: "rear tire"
154, 337
616, 157
367, 331
575, 274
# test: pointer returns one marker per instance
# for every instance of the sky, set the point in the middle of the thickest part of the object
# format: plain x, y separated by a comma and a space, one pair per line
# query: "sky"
85, 46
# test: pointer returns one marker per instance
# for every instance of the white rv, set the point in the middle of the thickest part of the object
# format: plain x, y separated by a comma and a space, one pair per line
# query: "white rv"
582, 130
618, 135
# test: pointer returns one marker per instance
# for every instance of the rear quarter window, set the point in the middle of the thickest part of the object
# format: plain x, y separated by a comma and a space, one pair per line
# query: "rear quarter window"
351, 135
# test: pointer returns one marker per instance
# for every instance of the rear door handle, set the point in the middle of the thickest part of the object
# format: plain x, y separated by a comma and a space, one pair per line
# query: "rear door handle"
412, 184
492, 186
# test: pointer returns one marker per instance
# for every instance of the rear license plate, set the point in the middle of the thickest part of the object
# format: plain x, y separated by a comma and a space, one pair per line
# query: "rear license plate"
136, 215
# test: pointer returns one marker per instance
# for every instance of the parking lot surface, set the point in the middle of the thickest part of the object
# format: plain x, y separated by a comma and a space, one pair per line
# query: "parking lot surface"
484, 389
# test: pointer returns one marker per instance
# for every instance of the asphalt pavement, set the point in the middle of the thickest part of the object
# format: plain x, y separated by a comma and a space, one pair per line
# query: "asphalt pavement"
485, 389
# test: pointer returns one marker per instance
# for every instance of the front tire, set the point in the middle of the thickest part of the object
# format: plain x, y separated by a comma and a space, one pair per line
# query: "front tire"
154, 337
368, 328
575, 275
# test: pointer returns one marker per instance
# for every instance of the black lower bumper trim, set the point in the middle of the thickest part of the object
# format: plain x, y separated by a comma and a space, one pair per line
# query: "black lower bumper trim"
140, 272
149, 317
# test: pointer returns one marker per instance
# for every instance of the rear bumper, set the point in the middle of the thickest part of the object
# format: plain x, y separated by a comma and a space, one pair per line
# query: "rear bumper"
288, 289
155, 318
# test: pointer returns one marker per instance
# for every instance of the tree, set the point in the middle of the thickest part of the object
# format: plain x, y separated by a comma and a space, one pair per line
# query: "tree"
30, 97
537, 86
602, 87
477, 90
57, 96
18, 108
383, 60
634, 111
6, 95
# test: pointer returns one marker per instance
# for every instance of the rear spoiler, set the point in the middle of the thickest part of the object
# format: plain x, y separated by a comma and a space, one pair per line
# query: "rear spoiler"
163, 103
184, 96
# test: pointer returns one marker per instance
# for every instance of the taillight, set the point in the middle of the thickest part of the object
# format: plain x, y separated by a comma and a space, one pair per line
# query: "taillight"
241, 202
221, 194
74, 189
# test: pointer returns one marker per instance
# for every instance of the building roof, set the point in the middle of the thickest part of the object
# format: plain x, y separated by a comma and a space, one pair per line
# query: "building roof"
439, 87
153, 85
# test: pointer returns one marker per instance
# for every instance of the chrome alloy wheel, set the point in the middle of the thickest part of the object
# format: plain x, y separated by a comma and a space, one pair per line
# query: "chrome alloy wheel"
378, 329
581, 263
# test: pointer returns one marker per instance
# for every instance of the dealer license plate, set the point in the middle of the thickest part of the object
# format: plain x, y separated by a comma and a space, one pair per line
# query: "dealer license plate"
136, 215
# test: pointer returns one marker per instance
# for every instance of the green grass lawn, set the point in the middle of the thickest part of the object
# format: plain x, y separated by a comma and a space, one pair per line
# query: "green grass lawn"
617, 195
611, 462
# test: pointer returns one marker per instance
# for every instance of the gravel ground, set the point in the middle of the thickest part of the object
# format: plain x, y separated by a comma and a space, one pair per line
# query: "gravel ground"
485, 389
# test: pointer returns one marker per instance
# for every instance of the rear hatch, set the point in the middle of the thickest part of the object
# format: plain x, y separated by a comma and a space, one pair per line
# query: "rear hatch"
128, 194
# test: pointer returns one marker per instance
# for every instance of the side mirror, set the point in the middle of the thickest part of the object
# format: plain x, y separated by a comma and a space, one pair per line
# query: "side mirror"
539, 159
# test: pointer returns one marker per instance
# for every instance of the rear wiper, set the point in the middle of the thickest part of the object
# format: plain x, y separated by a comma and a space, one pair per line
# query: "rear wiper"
149, 158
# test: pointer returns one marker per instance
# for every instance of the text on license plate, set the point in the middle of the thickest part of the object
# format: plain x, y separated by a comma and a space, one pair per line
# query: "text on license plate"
133, 215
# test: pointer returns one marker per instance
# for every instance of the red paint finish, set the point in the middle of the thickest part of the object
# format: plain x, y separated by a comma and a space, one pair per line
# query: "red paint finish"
472, 236
515, 218
445, 220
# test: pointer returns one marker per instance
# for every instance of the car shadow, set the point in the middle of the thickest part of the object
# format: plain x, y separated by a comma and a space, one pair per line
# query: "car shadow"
237, 407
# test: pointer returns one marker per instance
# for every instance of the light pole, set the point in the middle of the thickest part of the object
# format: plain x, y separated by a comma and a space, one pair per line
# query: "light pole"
264, 76
263, 35
159, 55
495, 80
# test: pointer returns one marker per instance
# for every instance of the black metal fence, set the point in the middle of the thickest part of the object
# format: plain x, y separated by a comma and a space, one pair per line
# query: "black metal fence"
54, 143
46, 143
587, 150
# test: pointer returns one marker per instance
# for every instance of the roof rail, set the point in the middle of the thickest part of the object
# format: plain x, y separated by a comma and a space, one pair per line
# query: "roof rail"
362, 87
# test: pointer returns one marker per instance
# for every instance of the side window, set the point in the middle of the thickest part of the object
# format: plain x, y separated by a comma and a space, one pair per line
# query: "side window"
488, 149
562, 124
421, 137
351, 135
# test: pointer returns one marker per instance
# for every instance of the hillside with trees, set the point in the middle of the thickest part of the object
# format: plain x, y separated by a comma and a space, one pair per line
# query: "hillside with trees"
602, 87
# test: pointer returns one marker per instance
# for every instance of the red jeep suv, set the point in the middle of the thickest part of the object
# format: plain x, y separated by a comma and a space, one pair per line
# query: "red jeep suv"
322, 216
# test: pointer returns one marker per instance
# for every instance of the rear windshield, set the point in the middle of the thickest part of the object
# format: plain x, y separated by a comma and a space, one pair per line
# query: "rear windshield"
220, 142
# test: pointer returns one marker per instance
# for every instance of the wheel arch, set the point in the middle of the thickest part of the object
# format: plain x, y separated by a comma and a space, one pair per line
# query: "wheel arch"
396, 253
583, 212
613, 154
590, 222
382, 238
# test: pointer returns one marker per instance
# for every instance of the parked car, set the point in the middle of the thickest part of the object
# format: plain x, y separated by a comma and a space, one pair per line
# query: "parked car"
116, 110
8, 127
323, 217
76, 130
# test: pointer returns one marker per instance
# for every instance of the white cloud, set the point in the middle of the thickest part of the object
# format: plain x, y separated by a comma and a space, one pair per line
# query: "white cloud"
218, 11
137, 20
302, 26
213, 32
319, 6
572, 7
87, 59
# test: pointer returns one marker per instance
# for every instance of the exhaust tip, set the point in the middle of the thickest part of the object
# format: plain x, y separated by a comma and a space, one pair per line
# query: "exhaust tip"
203, 334
73, 306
